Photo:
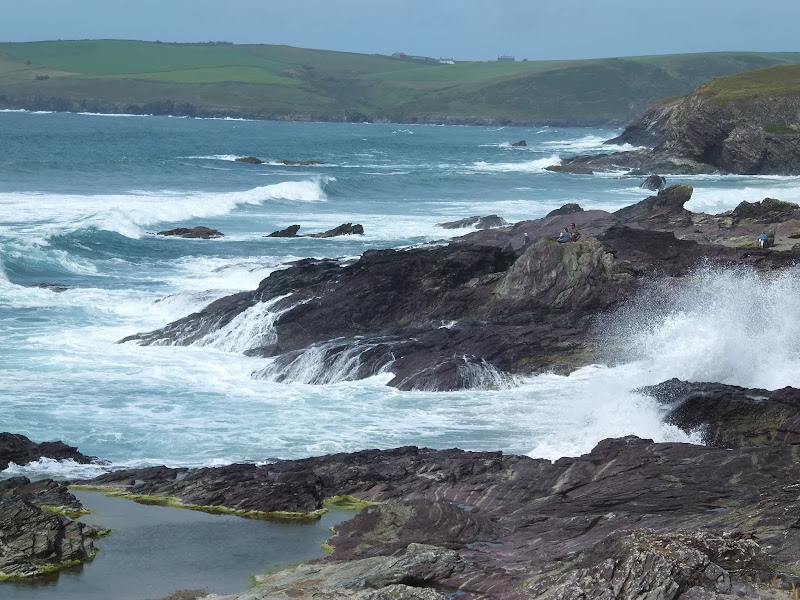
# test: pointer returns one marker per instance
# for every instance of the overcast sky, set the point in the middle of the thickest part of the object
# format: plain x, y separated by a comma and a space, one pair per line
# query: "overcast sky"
461, 29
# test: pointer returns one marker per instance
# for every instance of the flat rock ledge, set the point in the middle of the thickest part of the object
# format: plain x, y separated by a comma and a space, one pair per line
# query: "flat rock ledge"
631, 519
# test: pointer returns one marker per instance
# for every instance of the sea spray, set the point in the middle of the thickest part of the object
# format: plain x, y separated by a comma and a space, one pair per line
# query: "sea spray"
730, 325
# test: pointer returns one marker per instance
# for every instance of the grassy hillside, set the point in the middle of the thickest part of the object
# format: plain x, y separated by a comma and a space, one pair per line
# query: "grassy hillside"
265, 81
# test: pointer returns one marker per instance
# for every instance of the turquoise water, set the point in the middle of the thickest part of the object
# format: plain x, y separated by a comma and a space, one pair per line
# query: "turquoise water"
80, 198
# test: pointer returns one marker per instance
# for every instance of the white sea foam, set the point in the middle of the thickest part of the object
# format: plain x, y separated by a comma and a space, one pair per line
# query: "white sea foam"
531, 166
55, 469
716, 200
733, 326
127, 214
252, 328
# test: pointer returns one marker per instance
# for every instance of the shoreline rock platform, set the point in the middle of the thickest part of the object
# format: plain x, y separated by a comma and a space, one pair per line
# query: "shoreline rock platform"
630, 519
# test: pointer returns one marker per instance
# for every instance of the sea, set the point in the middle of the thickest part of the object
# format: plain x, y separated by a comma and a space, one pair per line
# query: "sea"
82, 197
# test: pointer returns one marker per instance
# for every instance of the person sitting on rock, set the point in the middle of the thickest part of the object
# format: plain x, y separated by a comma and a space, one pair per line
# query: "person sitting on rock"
762, 240
574, 234
563, 237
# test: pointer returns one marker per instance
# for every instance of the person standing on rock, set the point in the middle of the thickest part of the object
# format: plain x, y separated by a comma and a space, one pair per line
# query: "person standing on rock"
526, 239
762, 240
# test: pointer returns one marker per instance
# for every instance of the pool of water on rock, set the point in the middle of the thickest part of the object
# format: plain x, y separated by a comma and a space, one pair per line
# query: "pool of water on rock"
156, 550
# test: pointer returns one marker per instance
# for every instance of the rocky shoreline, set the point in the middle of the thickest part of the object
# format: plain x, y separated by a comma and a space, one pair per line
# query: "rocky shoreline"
488, 306
631, 519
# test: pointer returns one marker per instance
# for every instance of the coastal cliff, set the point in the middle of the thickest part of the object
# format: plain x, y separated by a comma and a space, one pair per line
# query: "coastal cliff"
746, 124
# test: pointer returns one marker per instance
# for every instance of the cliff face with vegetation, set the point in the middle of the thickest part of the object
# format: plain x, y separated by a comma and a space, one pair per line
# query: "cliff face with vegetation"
746, 124
285, 83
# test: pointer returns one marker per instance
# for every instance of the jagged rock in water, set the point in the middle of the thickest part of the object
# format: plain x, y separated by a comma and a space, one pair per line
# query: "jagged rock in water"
566, 209
654, 183
487, 222
34, 540
343, 229
20, 450
250, 159
520, 143
199, 232
290, 231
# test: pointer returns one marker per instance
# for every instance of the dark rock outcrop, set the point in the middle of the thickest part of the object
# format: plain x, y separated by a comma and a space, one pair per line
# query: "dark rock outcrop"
343, 229
520, 143
654, 183
732, 417
253, 160
566, 209
290, 231
21, 451
663, 211
200, 232
477, 222
34, 539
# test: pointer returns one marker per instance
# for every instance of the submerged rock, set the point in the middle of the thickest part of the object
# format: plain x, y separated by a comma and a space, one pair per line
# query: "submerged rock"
250, 159
302, 163
199, 232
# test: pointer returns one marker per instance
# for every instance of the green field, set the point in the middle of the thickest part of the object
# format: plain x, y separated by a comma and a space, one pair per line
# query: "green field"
265, 81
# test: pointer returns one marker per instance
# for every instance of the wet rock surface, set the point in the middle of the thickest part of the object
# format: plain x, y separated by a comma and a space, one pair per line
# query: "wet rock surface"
490, 305
631, 519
